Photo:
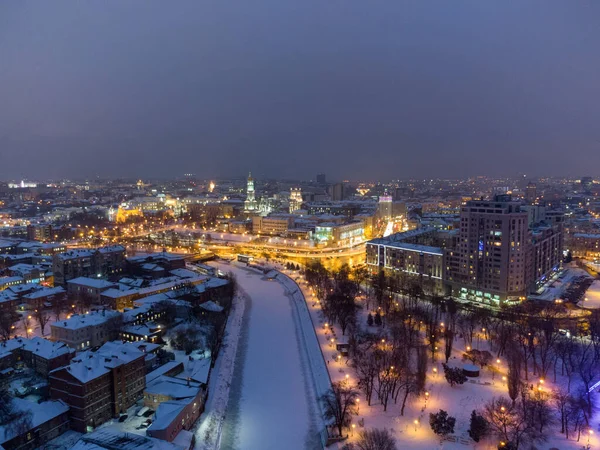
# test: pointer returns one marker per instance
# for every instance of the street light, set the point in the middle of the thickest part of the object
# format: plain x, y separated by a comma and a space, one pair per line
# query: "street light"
416, 422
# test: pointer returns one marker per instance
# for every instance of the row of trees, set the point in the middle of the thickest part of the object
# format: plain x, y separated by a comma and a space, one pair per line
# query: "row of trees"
416, 325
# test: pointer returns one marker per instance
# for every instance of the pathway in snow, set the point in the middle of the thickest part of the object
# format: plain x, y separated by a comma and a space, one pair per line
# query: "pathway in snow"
269, 406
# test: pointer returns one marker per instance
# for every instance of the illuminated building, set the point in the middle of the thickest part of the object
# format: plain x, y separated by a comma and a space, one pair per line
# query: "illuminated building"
250, 204
295, 199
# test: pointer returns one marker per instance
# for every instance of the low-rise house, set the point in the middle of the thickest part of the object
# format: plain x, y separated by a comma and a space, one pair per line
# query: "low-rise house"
38, 353
47, 420
111, 439
87, 330
44, 297
89, 288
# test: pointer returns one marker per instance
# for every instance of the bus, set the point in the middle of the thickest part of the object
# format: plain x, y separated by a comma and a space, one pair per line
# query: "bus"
244, 258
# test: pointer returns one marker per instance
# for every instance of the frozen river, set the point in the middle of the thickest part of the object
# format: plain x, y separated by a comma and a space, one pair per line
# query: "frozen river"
268, 406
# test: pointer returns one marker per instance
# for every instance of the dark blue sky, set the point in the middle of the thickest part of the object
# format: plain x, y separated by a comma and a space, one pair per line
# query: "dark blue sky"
353, 88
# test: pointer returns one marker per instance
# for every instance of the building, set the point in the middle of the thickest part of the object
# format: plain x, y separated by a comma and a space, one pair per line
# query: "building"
47, 420
411, 254
384, 207
336, 191
531, 193
100, 385
340, 234
38, 353
89, 289
41, 232
250, 204
295, 199
321, 178
102, 262
110, 439
498, 255
83, 331
273, 225
584, 245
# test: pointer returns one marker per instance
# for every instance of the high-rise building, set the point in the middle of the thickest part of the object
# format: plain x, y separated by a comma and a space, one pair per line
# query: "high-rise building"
492, 250
336, 192
250, 204
384, 207
295, 199
502, 252
531, 193
586, 184
321, 178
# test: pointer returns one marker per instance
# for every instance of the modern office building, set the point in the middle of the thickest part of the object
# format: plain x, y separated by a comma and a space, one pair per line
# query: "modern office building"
496, 256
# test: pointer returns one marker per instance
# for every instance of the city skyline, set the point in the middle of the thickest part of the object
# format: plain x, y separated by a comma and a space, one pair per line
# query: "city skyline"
393, 91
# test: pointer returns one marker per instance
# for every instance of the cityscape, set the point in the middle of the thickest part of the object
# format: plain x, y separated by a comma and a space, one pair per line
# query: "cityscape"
272, 225
182, 314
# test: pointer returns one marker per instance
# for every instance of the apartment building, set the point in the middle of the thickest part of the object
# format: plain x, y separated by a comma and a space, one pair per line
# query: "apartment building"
100, 385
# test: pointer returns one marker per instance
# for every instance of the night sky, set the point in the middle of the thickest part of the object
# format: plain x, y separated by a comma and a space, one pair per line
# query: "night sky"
359, 89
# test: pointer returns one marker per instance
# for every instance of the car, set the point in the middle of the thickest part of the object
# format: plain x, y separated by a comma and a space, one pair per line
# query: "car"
123, 418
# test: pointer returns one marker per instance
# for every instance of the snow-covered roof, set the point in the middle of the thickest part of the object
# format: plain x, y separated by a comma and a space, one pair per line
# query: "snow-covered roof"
40, 346
91, 282
110, 438
197, 370
86, 320
167, 412
41, 413
45, 292
173, 387
74, 254
183, 273
171, 365
211, 306
88, 365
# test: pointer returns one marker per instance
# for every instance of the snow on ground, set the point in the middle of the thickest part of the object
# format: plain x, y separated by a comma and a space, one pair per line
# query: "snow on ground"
269, 406
459, 401
558, 285
592, 297
209, 427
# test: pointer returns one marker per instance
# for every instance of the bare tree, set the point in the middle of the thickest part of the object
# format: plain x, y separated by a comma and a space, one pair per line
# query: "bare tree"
514, 374
375, 439
26, 321
7, 320
508, 420
42, 319
562, 398
340, 405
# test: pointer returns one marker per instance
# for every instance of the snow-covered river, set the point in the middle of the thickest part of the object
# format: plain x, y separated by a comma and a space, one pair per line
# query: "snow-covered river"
268, 405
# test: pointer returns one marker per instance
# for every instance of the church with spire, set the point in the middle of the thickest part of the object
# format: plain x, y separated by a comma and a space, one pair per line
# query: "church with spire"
250, 204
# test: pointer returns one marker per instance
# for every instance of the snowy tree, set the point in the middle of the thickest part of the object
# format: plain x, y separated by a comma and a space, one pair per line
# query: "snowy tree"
478, 426
454, 375
42, 319
375, 439
441, 423
339, 405
509, 421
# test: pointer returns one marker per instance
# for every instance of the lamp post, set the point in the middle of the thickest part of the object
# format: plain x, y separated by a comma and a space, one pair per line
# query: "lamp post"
416, 422
357, 406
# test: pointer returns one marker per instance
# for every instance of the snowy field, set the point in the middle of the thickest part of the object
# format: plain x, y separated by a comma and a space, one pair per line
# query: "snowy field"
592, 296
269, 406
